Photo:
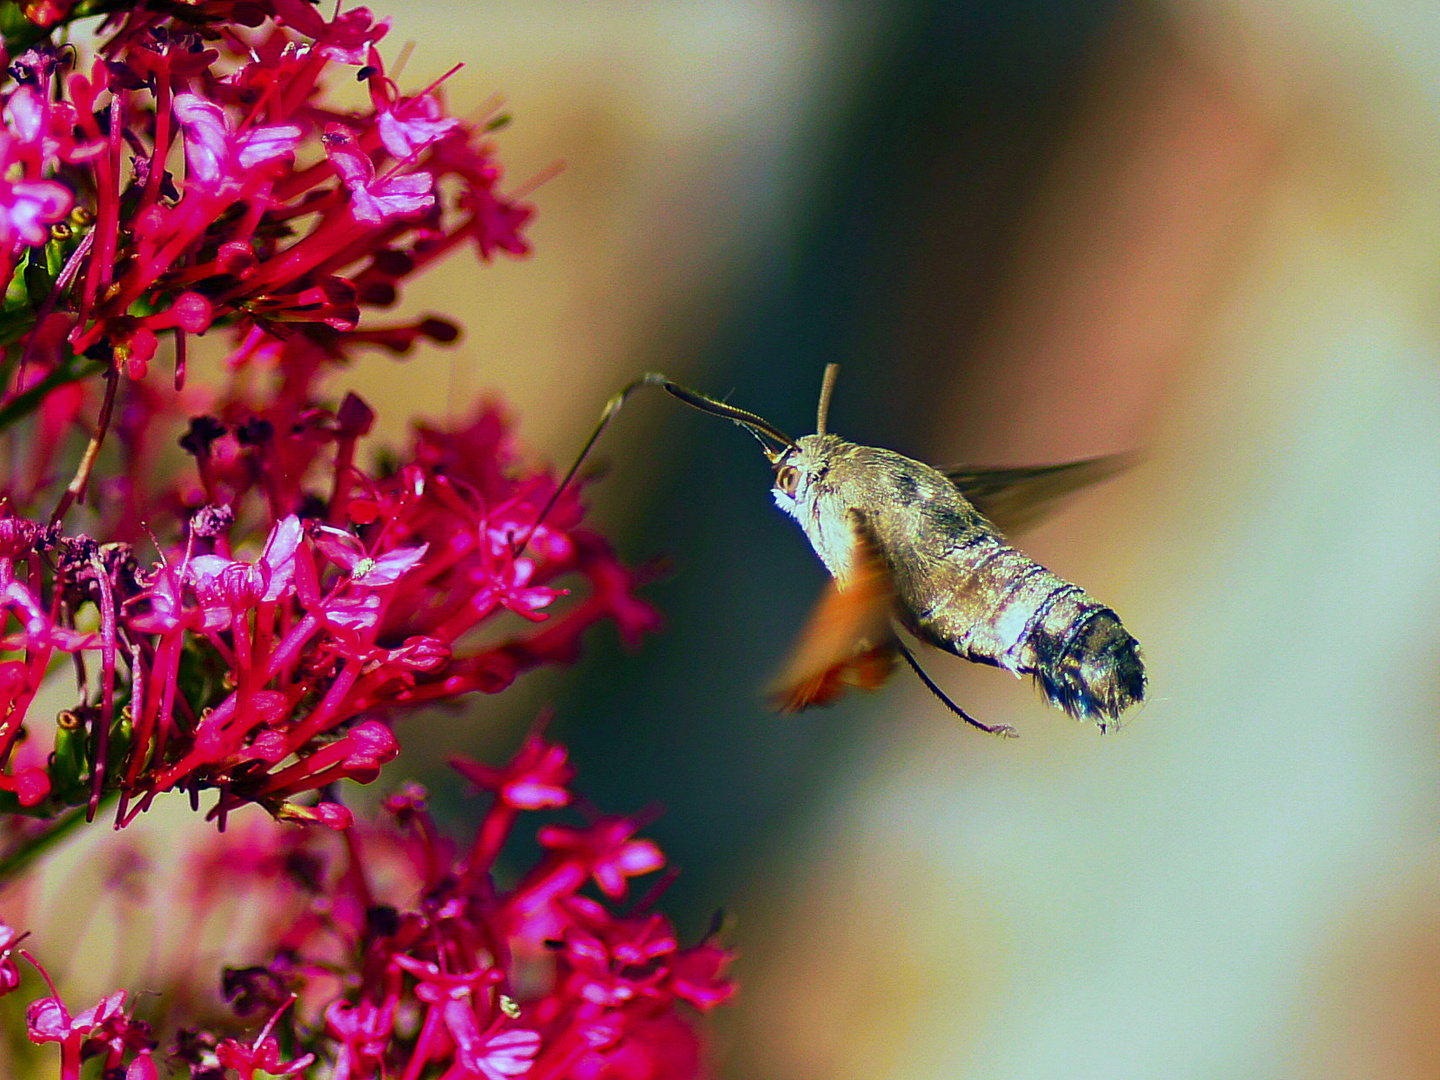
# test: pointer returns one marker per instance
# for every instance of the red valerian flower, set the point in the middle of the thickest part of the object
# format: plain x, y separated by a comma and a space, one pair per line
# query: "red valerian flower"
396, 953
262, 1055
9, 971
345, 40
28, 208
254, 624
105, 1030
504, 1054
279, 196
605, 851
534, 780
219, 665
215, 154
374, 200
449, 983
320, 633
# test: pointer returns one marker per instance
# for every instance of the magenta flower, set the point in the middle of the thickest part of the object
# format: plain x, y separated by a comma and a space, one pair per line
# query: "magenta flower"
502, 1055
362, 1032
261, 155
319, 598
28, 208
9, 971
605, 851
374, 200
537, 777
406, 950
224, 586
104, 1030
248, 629
216, 154
260, 1056
346, 40
413, 125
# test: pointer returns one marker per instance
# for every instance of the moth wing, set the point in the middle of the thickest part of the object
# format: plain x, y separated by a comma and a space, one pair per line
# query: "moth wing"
847, 641
1014, 499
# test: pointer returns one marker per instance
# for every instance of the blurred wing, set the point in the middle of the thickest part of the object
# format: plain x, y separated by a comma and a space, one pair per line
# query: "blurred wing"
848, 640
1014, 499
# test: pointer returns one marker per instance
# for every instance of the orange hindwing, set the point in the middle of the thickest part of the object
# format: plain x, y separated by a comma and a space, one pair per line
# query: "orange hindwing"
848, 640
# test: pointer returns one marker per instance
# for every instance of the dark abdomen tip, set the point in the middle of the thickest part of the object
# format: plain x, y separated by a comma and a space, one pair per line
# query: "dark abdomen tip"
1093, 671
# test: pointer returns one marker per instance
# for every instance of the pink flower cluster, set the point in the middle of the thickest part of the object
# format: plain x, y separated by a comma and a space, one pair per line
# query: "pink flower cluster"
250, 621
399, 955
298, 599
288, 214
271, 675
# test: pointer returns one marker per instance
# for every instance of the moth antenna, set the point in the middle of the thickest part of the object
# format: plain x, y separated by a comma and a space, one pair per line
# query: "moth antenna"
758, 425
650, 378
1005, 731
827, 387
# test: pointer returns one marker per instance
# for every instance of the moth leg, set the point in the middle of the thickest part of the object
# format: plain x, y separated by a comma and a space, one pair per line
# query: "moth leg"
1005, 731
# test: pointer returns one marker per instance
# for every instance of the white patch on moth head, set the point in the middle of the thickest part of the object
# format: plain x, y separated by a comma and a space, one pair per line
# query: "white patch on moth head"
785, 502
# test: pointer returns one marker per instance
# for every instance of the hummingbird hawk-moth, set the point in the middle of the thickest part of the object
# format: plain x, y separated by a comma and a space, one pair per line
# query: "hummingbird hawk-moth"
914, 547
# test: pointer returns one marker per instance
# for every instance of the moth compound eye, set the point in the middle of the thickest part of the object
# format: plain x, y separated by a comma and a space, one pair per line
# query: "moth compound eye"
788, 479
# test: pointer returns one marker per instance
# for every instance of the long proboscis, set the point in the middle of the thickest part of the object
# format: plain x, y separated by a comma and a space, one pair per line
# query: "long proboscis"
650, 378
757, 425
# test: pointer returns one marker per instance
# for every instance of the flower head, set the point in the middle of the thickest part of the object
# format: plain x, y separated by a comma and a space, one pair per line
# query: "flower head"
250, 626
403, 949
294, 602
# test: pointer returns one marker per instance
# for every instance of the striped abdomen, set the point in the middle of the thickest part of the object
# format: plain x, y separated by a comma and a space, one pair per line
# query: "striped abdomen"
999, 607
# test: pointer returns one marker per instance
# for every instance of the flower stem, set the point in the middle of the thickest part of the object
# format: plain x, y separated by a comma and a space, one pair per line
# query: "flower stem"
76, 491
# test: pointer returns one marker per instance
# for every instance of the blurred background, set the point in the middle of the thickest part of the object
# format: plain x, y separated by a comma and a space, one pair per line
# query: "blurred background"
1204, 230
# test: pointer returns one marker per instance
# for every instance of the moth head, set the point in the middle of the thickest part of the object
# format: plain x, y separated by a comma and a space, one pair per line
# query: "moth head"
799, 469
798, 463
